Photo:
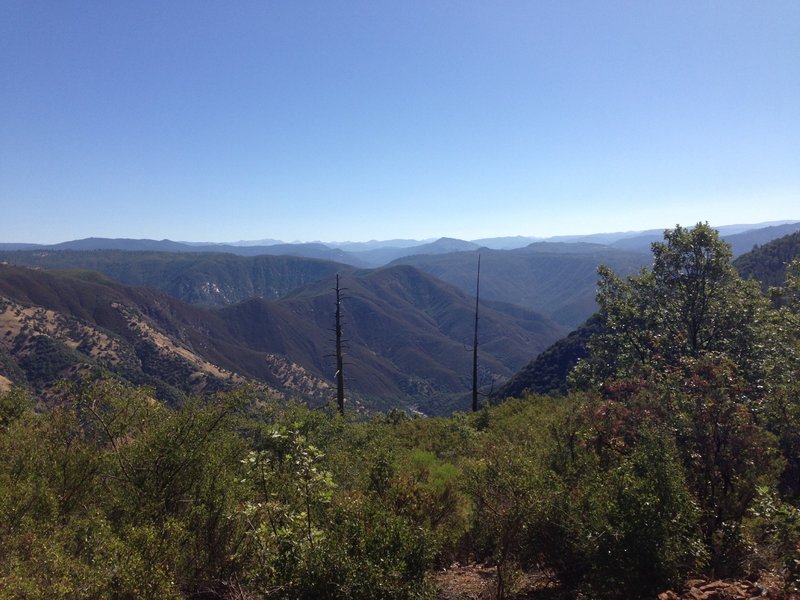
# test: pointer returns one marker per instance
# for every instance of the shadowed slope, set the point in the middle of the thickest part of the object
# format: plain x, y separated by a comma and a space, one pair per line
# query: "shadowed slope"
407, 335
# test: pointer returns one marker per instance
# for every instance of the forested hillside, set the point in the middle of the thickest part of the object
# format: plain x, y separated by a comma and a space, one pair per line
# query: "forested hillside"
407, 338
674, 461
768, 263
210, 279
557, 280
554, 279
306, 250
548, 372
68, 325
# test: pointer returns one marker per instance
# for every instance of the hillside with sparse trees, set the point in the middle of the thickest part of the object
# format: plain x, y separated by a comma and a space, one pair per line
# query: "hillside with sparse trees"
673, 460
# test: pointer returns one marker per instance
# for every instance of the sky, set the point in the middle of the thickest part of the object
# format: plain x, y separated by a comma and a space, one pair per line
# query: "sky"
222, 121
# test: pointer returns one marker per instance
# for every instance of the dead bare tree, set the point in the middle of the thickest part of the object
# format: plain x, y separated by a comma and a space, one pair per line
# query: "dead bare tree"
339, 355
475, 342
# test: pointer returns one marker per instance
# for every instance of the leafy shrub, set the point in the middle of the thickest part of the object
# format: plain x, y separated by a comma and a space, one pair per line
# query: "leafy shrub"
303, 541
573, 493
621, 526
774, 526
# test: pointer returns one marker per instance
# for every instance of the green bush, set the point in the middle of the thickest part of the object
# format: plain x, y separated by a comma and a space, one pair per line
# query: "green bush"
774, 527
561, 486
618, 527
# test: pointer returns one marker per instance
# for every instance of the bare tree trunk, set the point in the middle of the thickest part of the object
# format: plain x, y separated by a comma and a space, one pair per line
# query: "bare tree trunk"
339, 357
475, 342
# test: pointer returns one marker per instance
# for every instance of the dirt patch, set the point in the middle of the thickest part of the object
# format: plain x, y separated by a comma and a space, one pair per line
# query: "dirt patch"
470, 582
479, 582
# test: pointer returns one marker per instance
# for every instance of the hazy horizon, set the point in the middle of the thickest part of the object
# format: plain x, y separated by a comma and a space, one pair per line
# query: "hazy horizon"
410, 241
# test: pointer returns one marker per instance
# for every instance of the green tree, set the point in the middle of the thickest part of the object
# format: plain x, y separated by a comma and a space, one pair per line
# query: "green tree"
692, 344
782, 411
690, 303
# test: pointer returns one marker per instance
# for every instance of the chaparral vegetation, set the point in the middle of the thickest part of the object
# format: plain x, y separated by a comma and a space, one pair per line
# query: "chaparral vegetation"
673, 454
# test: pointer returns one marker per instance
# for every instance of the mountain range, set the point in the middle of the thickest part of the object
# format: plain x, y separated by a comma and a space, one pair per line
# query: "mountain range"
547, 372
191, 320
554, 279
407, 333
378, 253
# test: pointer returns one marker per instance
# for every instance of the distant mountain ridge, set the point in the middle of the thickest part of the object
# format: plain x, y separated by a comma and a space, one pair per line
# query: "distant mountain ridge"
741, 238
547, 373
407, 334
378, 253
557, 280
746, 241
554, 278
305, 250
211, 279
266, 318
382, 256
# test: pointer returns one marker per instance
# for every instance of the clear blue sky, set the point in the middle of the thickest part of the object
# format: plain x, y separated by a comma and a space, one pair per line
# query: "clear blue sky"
221, 121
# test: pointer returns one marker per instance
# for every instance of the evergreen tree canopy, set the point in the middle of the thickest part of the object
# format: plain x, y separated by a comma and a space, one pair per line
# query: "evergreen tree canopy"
691, 303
